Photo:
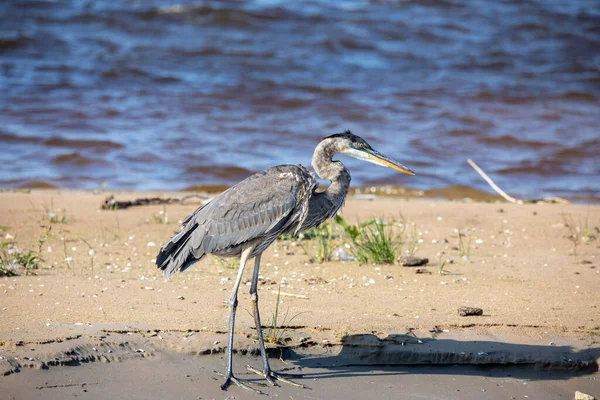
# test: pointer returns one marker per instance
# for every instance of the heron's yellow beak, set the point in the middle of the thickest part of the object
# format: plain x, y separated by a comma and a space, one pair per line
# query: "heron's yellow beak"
379, 159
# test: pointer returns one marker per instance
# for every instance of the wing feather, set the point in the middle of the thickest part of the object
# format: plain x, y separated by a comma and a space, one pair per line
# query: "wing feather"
260, 208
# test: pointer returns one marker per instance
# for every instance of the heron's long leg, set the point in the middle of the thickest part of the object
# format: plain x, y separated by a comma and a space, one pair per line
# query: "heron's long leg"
267, 373
256, 312
233, 302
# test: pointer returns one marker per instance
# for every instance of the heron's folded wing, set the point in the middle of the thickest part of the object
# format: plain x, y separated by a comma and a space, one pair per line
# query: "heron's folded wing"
263, 205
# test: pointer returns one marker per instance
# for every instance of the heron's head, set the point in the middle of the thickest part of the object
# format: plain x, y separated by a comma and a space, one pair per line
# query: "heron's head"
354, 146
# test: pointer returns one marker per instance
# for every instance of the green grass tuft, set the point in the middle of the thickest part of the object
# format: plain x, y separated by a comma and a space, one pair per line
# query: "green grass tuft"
12, 258
374, 241
377, 244
277, 328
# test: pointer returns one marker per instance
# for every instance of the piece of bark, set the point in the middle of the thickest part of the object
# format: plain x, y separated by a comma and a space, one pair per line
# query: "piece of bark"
110, 203
466, 311
408, 261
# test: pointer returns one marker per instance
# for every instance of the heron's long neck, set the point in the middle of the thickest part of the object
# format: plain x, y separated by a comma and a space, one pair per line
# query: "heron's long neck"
333, 171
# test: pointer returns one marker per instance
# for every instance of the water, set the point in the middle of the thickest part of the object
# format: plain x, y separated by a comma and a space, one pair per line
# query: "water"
166, 95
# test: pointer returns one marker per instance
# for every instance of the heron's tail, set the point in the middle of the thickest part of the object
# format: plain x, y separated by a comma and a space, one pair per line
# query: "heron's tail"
177, 254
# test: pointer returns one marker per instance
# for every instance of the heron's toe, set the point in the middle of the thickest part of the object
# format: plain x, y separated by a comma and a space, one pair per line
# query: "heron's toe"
239, 382
274, 377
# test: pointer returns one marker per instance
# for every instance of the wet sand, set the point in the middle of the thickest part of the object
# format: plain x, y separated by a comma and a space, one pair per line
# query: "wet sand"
344, 320
173, 376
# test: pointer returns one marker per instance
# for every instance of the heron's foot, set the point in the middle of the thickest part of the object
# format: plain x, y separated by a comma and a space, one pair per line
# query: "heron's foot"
240, 382
274, 377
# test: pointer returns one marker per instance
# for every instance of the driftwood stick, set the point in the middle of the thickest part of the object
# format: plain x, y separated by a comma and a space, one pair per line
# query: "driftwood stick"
492, 184
298, 296
111, 204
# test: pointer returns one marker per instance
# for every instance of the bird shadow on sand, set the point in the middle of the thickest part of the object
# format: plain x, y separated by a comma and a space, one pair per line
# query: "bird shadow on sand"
397, 354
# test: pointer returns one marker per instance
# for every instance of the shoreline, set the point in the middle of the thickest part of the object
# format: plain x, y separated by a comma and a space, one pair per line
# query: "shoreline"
366, 192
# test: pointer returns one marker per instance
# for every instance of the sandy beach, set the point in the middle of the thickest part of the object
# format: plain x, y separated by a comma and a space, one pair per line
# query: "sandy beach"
534, 269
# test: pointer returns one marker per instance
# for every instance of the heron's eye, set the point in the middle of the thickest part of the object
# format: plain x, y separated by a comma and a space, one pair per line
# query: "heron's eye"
361, 146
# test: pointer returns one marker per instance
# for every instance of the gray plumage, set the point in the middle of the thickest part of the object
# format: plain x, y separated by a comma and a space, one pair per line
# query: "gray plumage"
246, 218
243, 215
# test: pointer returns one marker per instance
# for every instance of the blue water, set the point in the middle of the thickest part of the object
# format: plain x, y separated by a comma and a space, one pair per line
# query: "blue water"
166, 95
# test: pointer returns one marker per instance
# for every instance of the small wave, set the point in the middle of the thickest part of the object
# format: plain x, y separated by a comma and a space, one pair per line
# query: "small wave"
75, 159
285, 103
97, 145
207, 14
470, 120
487, 64
590, 148
576, 96
144, 157
217, 51
544, 167
344, 44
110, 112
206, 51
551, 116
12, 43
62, 68
421, 3
455, 27
532, 27
274, 13
430, 36
492, 65
36, 42
33, 184
463, 132
320, 90
128, 72
507, 97
12, 138
230, 173
509, 141
460, 192
429, 148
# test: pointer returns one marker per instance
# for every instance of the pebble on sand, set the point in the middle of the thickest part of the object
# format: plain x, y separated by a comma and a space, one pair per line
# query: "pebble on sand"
467, 311
407, 261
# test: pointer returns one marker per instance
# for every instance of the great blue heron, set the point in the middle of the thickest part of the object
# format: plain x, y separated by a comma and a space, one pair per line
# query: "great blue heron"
246, 218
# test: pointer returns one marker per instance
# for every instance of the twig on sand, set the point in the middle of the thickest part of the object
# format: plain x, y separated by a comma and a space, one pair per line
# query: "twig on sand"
111, 204
299, 296
492, 184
